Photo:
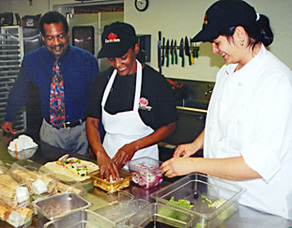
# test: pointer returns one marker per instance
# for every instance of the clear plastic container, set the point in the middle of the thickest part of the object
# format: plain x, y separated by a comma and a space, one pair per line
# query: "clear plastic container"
105, 199
120, 212
12, 193
160, 215
112, 186
146, 172
212, 200
54, 185
36, 181
80, 219
58, 206
17, 217
23, 154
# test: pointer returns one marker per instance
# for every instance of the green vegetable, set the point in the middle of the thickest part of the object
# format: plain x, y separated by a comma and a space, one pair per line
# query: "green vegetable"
181, 202
171, 213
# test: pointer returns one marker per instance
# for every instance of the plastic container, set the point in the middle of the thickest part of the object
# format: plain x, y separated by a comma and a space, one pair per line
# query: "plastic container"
120, 212
58, 206
17, 217
112, 186
22, 147
146, 172
213, 200
157, 215
13, 194
36, 181
80, 219
54, 185
23, 154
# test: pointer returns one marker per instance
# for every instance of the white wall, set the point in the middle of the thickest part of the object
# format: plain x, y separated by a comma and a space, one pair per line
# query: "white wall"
180, 18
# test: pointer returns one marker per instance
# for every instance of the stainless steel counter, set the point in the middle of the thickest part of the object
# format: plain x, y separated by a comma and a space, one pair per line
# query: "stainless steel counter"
244, 218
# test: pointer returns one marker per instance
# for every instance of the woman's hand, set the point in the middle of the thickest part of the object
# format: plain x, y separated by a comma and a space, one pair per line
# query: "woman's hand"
124, 154
107, 167
185, 150
177, 167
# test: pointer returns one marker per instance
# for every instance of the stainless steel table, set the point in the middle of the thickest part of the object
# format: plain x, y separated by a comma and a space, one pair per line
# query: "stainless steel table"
244, 218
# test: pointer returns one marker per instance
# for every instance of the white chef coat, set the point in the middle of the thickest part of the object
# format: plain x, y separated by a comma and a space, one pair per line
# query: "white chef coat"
250, 115
126, 127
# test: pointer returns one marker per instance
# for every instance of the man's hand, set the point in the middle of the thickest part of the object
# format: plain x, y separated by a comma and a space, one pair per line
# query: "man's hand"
7, 127
107, 167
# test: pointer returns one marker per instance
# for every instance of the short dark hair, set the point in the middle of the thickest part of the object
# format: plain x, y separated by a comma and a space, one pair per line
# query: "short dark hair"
53, 17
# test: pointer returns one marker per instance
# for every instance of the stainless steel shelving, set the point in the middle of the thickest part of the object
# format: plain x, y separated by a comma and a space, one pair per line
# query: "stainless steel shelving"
11, 54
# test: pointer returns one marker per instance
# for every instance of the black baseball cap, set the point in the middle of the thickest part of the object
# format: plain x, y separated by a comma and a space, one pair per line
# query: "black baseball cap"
223, 15
117, 38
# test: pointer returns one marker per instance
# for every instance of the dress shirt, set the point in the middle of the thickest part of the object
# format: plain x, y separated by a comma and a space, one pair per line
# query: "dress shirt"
79, 68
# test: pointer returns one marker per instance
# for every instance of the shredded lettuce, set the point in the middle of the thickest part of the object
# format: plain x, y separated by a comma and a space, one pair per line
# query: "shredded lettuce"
181, 202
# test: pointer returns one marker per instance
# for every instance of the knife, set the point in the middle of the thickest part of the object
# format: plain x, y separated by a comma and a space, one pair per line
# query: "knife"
191, 52
172, 52
187, 50
175, 53
196, 51
163, 52
181, 52
159, 51
167, 53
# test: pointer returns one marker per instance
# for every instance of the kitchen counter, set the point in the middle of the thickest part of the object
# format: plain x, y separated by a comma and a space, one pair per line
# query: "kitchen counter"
244, 218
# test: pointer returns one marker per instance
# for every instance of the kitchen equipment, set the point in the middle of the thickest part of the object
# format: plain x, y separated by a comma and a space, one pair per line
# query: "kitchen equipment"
159, 51
23, 154
146, 172
175, 53
213, 200
112, 186
187, 50
172, 52
82, 218
163, 52
191, 51
57, 206
119, 213
181, 52
167, 53
196, 51
156, 214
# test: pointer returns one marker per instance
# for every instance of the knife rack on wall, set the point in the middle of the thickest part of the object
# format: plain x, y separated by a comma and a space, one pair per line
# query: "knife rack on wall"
169, 52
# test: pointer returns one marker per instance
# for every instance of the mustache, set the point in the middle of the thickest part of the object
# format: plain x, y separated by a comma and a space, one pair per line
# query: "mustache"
57, 46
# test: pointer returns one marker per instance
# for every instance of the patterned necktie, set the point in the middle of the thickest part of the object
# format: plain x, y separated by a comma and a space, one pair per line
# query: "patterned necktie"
57, 98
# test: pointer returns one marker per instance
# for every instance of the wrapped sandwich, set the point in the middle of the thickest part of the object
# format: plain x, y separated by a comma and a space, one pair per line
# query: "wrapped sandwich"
11, 193
61, 188
15, 217
46, 179
37, 183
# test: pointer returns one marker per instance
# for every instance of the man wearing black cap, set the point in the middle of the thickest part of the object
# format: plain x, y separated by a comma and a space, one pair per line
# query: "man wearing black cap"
133, 101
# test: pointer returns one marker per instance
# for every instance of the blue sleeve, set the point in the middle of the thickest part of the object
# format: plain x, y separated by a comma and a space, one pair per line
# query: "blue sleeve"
18, 95
94, 69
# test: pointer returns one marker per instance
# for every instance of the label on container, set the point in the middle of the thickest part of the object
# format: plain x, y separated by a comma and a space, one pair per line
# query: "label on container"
22, 194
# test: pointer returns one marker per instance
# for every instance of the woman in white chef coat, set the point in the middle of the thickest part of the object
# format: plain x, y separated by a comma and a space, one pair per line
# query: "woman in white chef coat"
133, 101
248, 133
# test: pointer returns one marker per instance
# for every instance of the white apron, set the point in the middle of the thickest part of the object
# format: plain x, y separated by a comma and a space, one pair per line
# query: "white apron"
126, 127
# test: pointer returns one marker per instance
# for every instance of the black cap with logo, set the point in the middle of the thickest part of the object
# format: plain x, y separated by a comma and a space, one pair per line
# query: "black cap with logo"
223, 15
117, 38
